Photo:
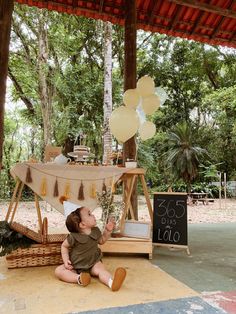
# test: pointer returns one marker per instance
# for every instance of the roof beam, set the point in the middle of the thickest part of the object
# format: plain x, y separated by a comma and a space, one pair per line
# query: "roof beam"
221, 21
176, 18
101, 6
156, 7
206, 7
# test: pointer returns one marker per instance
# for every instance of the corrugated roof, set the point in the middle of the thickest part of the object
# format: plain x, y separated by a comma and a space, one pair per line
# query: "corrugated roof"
212, 22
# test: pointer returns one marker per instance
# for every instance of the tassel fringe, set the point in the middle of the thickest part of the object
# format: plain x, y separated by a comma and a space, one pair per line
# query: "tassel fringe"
67, 190
93, 190
43, 189
104, 188
81, 192
56, 192
28, 178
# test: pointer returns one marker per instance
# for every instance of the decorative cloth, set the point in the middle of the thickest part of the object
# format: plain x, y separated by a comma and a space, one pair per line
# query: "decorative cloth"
69, 178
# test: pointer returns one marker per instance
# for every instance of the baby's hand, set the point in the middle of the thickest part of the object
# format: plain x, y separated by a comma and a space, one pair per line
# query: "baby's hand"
111, 224
68, 265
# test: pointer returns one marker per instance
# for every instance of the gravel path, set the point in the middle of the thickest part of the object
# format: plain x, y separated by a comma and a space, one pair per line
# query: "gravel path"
215, 212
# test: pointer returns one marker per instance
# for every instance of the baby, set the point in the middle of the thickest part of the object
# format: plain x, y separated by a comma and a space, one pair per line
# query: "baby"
80, 252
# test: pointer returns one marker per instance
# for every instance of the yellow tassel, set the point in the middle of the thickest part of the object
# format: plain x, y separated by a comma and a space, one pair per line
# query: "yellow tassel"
67, 190
43, 188
56, 192
93, 190
113, 186
81, 192
28, 178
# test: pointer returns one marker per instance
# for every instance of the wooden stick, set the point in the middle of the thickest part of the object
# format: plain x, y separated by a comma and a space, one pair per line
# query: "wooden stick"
145, 190
18, 182
173, 246
17, 201
38, 213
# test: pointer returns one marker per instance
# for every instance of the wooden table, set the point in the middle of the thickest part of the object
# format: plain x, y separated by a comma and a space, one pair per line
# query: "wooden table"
199, 197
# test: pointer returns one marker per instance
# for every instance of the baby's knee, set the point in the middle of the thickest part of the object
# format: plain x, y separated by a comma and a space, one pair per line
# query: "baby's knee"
58, 271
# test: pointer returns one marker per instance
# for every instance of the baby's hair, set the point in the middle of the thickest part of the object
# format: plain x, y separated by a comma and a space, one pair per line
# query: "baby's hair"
73, 220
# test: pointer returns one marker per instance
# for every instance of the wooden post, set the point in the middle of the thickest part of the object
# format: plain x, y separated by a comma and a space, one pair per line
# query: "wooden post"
130, 79
6, 9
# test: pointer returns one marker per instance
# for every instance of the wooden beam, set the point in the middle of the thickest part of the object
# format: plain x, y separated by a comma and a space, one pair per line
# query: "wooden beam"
156, 7
221, 21
6, 9
206, 7
176, 18
101, 6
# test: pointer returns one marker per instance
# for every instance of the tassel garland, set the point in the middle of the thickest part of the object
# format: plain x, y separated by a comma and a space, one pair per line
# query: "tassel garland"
55, 191
104, 188
28, 178
81, 192
93, 190
67, 190
43, 188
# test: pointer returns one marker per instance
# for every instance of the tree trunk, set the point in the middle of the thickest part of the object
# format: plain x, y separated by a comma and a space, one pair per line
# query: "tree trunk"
6, 9
45, 91
107, 102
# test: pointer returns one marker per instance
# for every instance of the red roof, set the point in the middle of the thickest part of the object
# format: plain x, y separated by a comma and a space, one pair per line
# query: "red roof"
211, 21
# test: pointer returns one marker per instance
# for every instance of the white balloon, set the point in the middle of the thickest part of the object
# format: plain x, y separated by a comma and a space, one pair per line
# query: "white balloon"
131, 98
147, 130
150, 103
145, 86
162, 94
124, 123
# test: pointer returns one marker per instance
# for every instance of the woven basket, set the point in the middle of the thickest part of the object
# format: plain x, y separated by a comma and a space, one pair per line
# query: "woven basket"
29, 233
36, 255
48, 252
37, 236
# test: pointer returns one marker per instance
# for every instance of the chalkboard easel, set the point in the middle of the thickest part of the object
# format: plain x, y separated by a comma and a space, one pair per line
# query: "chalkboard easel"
170, 225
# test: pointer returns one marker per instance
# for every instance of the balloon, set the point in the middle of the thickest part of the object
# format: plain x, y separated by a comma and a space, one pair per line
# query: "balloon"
141, 114
145, 86
147, 130
131, 98
150, 104
124, 123
162, 94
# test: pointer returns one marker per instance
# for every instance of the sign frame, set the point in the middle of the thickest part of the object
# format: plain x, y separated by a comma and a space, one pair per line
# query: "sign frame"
171, 246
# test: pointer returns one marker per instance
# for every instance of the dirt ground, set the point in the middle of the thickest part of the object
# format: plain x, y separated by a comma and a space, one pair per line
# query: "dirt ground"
214, 212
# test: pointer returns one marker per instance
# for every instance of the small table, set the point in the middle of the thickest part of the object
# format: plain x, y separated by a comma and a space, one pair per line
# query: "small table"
199, 197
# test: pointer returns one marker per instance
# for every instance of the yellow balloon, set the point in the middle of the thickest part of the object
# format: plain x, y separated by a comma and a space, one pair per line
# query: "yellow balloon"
124, 123
131, 98
150, 104
147, 130
145, 86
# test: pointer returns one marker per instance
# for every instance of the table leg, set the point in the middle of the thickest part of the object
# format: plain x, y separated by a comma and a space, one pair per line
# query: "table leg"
129, 189
17, 201
18, 183
145, 190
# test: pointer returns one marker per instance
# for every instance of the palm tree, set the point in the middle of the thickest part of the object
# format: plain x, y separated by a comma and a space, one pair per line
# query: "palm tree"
182, 156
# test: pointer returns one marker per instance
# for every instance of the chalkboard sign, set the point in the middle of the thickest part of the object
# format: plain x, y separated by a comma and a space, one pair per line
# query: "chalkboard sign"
170, 218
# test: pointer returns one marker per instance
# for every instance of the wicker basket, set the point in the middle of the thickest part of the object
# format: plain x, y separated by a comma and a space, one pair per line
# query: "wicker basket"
43, 254
37, 236
36, 255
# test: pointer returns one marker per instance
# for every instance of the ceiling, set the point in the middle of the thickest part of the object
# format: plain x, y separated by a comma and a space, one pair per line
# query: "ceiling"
211, 21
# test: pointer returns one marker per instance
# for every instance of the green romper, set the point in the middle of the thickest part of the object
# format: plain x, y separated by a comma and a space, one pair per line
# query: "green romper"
84, 251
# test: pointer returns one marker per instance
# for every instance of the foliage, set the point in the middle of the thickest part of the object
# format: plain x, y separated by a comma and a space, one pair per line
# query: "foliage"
182, 156
11, 240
